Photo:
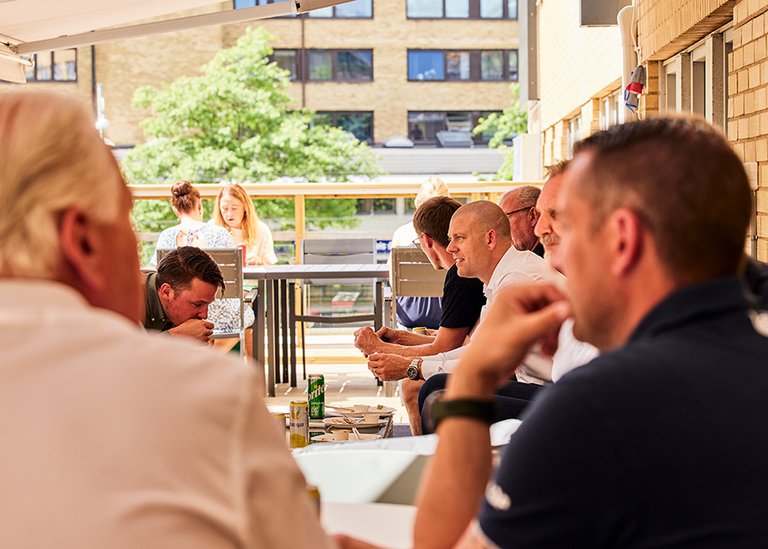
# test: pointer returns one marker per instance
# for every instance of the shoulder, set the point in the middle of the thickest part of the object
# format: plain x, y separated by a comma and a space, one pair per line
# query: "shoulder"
524, 267
264, 228
453, 280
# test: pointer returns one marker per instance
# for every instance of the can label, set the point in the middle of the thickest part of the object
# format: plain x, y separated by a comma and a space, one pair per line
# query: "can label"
316, 396
299, 436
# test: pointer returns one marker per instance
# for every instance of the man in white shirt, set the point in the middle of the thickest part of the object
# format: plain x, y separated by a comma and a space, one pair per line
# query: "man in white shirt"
481, 246
113, 437
519, 206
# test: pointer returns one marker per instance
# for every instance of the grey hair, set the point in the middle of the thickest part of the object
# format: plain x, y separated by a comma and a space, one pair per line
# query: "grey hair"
526, 196
51, 159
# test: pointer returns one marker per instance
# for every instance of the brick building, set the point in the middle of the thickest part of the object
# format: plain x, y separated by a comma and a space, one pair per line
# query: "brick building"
703, 56
379, 69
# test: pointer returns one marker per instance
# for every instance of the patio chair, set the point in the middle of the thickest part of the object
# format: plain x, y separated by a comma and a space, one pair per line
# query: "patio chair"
413, 276
337, 252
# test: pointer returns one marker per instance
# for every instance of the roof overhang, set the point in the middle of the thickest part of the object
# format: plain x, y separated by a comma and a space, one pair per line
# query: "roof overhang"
30, 26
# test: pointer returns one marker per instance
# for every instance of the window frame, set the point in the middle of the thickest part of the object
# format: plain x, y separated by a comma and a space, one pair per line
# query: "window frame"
302, 64
473, 12
336, 114
305, 15
475, 65
474, 118
52, 78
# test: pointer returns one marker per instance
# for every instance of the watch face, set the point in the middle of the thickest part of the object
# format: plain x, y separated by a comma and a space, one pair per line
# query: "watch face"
412, 372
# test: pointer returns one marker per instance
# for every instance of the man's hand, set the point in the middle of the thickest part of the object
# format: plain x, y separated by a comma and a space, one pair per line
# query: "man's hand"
388, 367
194, 328
367, 341
520, 316
388, 334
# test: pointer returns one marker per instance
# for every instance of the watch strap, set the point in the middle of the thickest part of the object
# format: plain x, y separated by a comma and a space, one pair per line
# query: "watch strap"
481, 410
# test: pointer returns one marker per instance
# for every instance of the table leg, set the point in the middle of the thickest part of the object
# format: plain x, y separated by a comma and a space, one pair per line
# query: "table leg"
284, 331
292, 330
378, 306
260, 337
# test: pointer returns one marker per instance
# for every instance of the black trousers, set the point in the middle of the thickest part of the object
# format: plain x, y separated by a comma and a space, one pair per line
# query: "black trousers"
511, 399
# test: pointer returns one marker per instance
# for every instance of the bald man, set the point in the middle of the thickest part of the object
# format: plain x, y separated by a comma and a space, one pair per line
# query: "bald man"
481, 246
519, 205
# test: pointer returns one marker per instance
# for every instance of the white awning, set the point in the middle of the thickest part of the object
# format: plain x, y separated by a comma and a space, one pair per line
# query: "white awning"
29, 26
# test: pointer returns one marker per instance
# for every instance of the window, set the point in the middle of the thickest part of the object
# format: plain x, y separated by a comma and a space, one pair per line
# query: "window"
461, 9
287, 60
472, 66
326, 65
359, 124
56, 66
357, 9
424, 125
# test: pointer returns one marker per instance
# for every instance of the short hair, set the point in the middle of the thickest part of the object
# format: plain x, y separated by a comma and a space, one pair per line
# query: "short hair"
555, 169
526, 196
250, 223
184, 196
433, 217
434, 186
683, 179
486, 216
181, 266
51, 159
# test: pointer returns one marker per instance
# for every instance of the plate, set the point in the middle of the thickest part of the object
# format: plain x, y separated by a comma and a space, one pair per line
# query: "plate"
329, 438
383, 411
340, 423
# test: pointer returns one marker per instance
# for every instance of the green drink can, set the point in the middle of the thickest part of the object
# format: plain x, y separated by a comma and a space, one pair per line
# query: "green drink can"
316, 396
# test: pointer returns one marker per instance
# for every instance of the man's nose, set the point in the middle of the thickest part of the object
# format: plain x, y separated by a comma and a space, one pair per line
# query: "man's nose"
203, 314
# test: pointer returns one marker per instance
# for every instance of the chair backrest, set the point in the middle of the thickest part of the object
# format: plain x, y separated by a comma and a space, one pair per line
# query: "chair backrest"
413, 274
230, 261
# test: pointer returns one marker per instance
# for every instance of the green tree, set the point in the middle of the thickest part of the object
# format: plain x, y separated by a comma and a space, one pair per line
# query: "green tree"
502, 127
235, 123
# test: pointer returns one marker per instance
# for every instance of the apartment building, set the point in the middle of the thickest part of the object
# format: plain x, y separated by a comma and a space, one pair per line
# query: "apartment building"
380, 69
702, 56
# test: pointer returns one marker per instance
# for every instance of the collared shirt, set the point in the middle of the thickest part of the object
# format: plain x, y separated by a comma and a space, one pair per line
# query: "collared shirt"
115, 437
515, 267
154, 314
658, 444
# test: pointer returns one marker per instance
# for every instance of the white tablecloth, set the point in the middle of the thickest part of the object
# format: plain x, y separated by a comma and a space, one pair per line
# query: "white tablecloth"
383, 524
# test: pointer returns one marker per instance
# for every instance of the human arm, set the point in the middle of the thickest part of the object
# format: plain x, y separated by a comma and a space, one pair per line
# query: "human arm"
195, 328
519, 316
446, 339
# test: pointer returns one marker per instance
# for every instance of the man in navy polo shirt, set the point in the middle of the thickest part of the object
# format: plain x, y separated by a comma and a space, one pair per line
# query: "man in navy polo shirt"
660, 441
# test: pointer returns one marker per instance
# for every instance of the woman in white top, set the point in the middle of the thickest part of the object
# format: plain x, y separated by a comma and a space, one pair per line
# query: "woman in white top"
234, 211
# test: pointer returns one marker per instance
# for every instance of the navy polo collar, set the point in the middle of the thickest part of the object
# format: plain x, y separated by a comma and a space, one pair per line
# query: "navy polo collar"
694, 302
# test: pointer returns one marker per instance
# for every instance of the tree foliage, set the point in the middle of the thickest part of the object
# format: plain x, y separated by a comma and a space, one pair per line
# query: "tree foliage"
503, 127
235, 123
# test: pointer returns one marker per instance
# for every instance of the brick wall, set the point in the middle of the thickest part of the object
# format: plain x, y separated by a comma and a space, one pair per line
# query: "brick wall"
124, 66
665, 27
748, 102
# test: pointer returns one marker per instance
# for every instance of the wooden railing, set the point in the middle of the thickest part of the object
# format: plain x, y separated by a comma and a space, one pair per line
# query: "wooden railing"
300, 192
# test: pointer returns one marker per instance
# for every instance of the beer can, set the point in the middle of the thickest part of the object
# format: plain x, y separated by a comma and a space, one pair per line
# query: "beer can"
299, 436
316, 396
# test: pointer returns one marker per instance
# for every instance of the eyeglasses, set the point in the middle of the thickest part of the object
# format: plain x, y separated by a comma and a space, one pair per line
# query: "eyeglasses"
513, 212
417, 241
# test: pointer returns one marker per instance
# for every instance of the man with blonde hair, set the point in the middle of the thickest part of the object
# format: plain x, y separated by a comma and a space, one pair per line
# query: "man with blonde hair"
113, 437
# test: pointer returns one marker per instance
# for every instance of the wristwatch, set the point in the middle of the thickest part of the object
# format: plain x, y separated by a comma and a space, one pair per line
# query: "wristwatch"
414, 369
481, 410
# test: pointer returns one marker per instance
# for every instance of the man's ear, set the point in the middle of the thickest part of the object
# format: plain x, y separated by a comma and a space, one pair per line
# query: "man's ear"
627, 240
79, 242
491, 239
165, 292
533, 216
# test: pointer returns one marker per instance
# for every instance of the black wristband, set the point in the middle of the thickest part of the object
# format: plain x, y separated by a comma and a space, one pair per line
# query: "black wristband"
481, 410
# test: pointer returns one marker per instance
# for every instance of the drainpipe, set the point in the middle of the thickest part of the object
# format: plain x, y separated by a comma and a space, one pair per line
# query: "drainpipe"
93, 76
303, 58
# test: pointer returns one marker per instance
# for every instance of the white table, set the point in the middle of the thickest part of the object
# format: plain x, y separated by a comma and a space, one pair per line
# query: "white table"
274, 302
383, 524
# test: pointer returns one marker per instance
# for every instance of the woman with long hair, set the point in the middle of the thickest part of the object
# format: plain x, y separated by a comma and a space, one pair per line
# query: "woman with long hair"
234, 212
